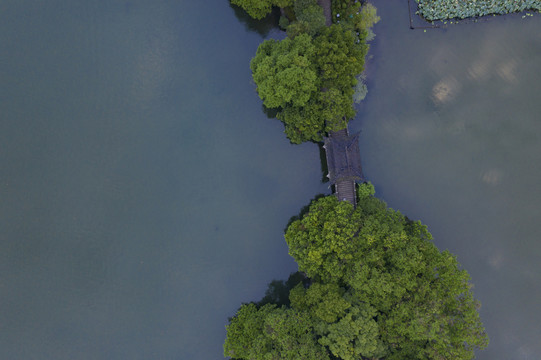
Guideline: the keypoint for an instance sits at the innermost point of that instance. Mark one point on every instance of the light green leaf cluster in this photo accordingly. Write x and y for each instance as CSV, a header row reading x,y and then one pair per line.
x,y
258,9
284,71
365,190
450,9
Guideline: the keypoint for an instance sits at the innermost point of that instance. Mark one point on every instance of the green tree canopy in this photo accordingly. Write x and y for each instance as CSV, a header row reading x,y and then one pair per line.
x,y
269,332
424,304
323,322
309,18
339,58
258,9
284,71
310,80
344,325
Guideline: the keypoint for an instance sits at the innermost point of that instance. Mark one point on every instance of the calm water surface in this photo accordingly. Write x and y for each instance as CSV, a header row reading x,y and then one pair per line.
x,y
143,192
452,136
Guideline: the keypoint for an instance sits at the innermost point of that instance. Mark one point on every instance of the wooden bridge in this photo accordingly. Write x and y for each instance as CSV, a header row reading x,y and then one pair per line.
x,y
344,164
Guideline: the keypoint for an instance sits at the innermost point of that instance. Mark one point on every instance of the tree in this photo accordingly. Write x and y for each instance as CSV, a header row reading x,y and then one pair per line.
x,y
320,242
344,325
271,332
378,288
258,9
310,14
284,71
310,80
423,301
339,57
324,321
303,123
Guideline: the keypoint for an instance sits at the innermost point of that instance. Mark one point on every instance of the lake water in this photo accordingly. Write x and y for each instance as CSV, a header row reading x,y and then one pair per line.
x,y
452,136
144,193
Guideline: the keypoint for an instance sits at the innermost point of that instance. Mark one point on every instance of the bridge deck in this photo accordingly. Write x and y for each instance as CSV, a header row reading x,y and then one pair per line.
x,y
344,189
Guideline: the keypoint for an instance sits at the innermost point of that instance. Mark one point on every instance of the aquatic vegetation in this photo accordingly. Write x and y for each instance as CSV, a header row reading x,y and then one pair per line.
x,y
451,9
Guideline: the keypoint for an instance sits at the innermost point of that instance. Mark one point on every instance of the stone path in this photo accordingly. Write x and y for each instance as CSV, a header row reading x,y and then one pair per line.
x,y
326,5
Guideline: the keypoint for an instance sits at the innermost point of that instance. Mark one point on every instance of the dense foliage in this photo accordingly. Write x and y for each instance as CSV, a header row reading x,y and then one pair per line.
x,y
271,332
308,19
284,71
310,80
324,321
424,305
379,289
310,77
258,9
449,9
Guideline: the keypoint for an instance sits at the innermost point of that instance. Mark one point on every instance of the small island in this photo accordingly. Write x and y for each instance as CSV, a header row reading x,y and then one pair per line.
x,y
376,287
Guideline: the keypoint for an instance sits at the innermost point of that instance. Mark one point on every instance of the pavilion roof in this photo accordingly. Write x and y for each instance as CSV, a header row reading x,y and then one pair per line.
x,y
343,157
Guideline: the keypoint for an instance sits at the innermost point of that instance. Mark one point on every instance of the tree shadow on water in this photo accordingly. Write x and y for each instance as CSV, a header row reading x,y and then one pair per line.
x,y
324,167
278,290
270,112
263,26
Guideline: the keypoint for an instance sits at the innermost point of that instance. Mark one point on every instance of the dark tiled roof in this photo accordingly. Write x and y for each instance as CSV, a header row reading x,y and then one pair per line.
x,y
343,157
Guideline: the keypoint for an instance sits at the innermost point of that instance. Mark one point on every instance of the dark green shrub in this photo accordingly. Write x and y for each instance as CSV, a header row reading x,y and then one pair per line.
x,y
283,22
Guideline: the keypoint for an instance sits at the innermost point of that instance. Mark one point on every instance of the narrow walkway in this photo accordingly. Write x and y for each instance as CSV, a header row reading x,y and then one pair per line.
x,y
340,134
345,191
344,188
326,5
